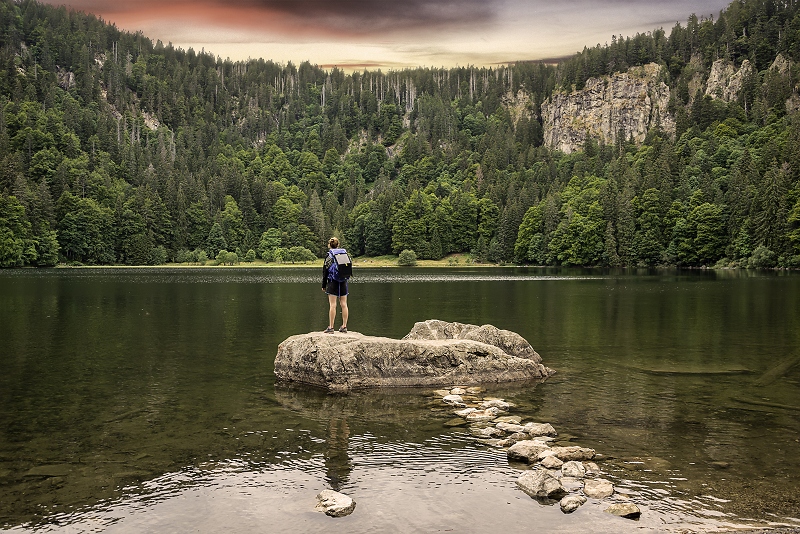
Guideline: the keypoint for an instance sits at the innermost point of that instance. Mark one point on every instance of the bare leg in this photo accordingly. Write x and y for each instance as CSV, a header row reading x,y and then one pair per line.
x,y
345,311
331,310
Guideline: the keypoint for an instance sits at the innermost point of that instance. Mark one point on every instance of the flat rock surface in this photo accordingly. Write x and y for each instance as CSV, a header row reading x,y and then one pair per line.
x,y
434,353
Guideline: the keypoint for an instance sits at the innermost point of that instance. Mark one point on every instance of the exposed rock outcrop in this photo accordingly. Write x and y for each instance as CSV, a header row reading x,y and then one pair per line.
x,y
628,103
433,353
725,82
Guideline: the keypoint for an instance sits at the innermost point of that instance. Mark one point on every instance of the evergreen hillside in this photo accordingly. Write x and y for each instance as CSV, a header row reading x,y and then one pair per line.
x,y
115,149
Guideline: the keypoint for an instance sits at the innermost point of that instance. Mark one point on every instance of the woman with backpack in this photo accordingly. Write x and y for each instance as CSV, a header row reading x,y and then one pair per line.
x,y
335,272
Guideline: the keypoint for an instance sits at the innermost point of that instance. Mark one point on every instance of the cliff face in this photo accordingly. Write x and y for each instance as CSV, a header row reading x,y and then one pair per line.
x,y
627,103
725,81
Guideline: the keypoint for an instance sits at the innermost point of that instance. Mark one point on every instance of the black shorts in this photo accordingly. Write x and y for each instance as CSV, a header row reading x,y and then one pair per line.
x,y
336,288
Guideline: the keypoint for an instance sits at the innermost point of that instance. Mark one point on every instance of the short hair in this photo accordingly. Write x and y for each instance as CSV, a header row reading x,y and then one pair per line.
x,y
333,242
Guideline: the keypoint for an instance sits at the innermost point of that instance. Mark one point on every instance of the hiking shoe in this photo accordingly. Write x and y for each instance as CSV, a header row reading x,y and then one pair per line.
x,y
343,330
329,330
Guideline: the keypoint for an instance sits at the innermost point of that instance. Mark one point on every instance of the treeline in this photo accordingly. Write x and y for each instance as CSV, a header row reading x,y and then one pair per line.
x,y
115,149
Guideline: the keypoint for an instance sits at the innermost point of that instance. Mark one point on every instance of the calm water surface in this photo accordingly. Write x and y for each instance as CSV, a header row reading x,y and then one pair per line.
x,y
136,400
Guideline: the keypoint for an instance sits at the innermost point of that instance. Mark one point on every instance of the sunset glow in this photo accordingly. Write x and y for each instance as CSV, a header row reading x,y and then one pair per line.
x,y
355,34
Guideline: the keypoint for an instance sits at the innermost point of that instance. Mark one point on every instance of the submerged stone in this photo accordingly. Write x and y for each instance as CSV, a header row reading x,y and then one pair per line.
x,y
59,470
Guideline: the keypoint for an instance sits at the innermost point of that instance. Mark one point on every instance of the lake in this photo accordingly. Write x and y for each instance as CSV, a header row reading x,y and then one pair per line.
x,y
137,400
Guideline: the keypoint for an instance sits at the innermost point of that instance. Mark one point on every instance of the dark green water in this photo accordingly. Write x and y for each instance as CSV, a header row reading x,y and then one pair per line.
x,y
144,400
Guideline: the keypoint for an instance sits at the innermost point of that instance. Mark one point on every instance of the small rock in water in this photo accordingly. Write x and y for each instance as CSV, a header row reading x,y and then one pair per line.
x,y
458,421
496,403
509,427
720,465
598,488
540,429
573,453
526,451
591,468
455,400
483,415
573,469
551,462
541,483
465,412
58,470
442,392
335,504
512,419
488,432
516,437
627,510
458,391
571,484
570,503
475,390
546,453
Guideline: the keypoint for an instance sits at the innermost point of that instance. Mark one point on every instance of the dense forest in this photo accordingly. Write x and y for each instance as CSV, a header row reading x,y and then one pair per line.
x,y
115,149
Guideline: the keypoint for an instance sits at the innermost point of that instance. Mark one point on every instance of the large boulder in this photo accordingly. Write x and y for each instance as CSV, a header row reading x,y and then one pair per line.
x,y
427,356
510,342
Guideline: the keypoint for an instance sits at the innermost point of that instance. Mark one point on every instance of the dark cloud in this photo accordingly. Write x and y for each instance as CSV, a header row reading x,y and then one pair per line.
x,y
378,15
346,17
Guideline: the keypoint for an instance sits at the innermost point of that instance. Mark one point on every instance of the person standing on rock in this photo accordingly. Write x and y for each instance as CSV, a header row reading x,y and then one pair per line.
x,y
336,270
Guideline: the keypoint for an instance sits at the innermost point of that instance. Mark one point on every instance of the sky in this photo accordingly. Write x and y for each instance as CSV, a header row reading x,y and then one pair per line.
x,y
388,34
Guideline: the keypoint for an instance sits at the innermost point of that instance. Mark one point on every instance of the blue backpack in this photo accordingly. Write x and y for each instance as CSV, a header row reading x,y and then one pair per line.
x,y
341,268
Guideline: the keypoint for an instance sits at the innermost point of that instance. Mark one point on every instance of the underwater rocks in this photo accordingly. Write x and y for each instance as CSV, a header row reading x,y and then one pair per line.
x,y
434,353
557,473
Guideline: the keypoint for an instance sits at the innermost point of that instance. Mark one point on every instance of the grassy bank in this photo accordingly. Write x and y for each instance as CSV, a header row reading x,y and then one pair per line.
x,y
454,260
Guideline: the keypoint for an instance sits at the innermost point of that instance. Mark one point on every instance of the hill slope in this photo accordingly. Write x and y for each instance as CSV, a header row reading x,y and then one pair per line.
x,y
115,149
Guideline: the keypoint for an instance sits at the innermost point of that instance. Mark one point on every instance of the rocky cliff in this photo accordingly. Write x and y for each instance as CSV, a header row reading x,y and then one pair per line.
x,y
726,81
627,103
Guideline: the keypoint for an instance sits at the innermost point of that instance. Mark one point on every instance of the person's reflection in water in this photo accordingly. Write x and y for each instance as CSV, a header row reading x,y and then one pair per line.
x,y
337,462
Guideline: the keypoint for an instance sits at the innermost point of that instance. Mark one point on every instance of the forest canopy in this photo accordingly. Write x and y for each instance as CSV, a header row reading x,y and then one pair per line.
x,y
118,150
